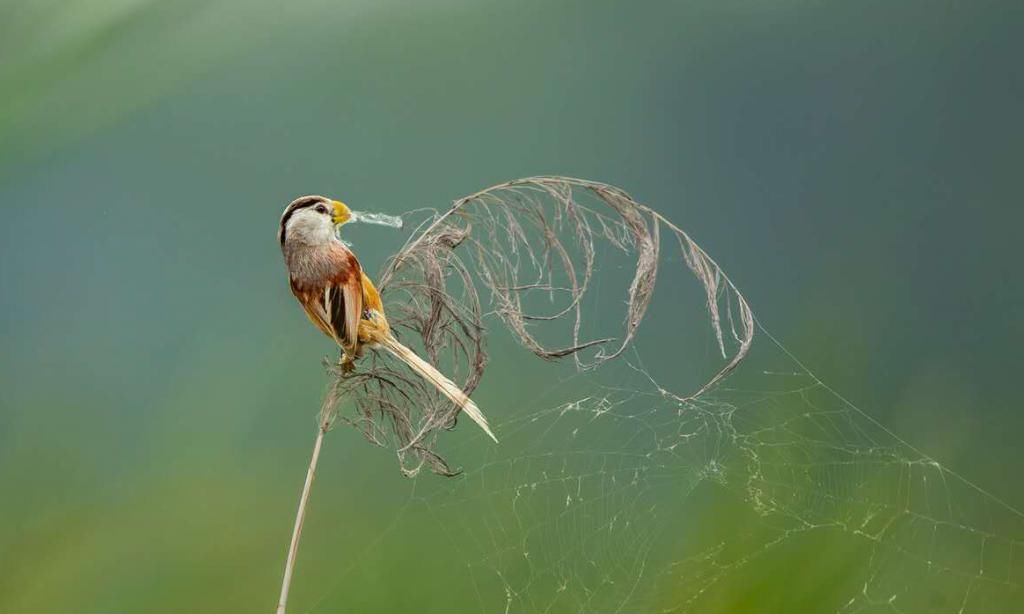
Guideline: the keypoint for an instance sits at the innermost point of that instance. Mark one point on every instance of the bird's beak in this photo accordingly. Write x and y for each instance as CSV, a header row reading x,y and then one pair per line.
x,y
342,213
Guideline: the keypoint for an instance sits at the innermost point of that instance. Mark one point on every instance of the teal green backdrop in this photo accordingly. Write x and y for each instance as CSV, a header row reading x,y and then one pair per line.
x,y
854,167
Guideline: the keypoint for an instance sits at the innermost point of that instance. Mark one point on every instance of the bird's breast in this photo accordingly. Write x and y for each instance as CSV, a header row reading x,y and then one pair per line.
x,y
314,268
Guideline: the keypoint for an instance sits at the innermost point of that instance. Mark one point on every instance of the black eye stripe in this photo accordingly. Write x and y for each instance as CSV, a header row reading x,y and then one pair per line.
x,y
299,203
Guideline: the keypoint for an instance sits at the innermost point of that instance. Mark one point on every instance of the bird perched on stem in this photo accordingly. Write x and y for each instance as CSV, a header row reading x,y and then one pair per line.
x,y
339,297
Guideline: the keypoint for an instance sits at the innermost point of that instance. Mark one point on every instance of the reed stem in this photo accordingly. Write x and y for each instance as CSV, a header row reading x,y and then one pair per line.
x,y
300,516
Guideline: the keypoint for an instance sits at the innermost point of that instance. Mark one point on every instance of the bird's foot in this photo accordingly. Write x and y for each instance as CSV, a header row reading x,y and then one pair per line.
x,y
347,363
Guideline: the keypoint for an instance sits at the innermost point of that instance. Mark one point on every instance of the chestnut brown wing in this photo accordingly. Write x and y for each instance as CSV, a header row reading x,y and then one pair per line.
x,y
312,303
343,298
343,303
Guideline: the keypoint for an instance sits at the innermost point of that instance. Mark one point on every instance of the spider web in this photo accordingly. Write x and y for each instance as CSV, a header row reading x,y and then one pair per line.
x,y
637,501
673,467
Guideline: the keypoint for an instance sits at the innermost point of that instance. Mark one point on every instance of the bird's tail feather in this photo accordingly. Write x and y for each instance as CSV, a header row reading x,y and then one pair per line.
x,y
435,377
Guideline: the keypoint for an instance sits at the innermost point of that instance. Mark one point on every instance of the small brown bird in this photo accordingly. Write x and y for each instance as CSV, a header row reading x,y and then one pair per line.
x,y
339,297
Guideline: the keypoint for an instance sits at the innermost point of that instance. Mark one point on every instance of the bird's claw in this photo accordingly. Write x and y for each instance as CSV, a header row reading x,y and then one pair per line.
x,y
347,363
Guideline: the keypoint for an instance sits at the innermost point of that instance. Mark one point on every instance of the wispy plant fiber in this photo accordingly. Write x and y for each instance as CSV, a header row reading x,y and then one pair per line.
x,y
523,251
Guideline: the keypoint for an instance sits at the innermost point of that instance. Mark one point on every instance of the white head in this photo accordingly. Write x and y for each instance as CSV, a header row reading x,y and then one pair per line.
x,y
311,220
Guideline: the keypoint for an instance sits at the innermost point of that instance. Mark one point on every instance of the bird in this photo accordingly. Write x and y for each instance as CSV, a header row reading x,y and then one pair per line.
x,y
340,299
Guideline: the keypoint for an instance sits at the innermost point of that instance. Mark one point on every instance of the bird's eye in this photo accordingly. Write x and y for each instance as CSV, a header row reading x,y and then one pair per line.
x,y
321,209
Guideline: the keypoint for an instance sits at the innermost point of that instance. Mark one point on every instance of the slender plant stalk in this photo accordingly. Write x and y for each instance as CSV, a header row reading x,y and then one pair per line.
x,y
300,516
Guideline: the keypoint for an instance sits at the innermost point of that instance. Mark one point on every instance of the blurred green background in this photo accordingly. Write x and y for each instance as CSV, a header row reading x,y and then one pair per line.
x,y
855,167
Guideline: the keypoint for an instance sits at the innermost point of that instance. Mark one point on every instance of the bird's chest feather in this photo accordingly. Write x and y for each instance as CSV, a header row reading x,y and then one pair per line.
x,y
311,269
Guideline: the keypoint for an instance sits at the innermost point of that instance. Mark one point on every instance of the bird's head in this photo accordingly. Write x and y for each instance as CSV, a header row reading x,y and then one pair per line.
x,y
312,220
